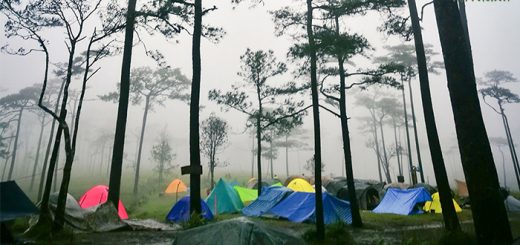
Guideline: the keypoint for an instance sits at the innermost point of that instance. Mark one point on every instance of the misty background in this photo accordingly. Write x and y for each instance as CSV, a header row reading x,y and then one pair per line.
x,y
494,34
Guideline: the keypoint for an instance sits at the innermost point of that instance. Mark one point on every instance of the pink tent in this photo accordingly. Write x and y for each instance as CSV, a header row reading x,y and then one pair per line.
x,y
98,195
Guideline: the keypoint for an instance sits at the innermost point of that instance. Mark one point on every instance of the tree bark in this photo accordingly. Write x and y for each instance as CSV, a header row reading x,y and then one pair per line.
x,y
489,213
37,158
7,157
451,221
141,139
259,150
194,111
320,227
286,157
410,164
15,146
416,136
510,144
122,109
49,143
354,206
271,156
253,156
376,142
385,157
397,149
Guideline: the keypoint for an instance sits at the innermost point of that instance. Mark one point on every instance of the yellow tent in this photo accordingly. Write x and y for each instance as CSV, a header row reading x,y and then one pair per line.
x,y
435,205
301,185
176,186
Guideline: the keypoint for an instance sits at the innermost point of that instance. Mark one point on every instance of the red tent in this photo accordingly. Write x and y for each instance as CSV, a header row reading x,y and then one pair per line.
x,y
98,195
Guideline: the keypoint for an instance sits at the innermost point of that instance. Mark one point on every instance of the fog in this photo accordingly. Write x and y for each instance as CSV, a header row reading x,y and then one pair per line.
x,y
494,34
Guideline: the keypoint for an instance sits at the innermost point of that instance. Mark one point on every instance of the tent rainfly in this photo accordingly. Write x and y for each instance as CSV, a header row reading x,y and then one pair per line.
x,y
300,206
224,199
434,206
300,185
98,195
176,186
269,198
246,195
404,202
180,212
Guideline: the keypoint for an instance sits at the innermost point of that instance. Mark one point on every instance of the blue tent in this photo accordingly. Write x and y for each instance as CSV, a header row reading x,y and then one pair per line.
x,y
300,207
269,198
180,212
404,202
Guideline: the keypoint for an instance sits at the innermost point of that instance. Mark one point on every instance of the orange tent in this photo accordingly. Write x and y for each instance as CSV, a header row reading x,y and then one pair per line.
x,y
176,186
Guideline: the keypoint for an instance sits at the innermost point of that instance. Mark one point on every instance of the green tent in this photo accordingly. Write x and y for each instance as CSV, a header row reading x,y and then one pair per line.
x,y
224,199
246,195
277,184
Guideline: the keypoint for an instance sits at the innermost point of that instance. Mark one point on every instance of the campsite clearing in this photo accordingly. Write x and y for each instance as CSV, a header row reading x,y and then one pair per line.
x,y
379,229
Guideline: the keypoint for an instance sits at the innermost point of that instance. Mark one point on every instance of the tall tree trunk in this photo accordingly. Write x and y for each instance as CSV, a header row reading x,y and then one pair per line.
x,y
408,145
286,157
510,144
517,163
345,135
49,143
194,111
37,158
212,173
259,150
253,156
378,154
347,154
397,149
7,156
489,213
416,136
320,226
271,156
141,139
116,167
55,178
15,146
386,166
451,222
503,166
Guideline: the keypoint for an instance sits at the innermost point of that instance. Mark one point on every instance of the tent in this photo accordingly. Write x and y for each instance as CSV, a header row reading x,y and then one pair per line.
x,y
434,206
367,191
246,195
277,184
269,198
239,231
13,202
512,204
176,186
300,185
300,206
224,199
432,190
404,202
253,183
98,195
292,177
180,212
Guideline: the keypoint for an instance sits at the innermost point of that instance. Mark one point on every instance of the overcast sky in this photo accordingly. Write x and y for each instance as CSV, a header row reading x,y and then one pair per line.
x,y
494,34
